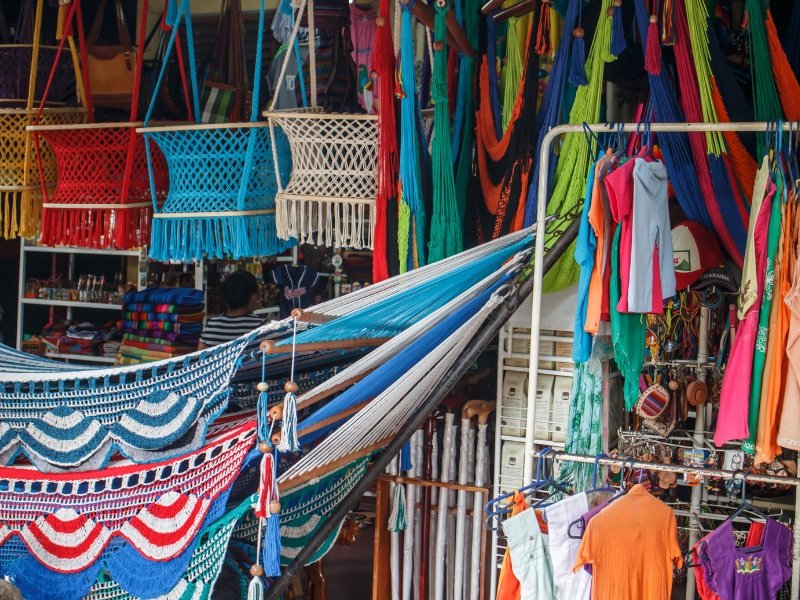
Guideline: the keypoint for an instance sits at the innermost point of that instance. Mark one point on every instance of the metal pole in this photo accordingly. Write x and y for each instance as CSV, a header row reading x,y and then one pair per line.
x,y
470,353
698,441
657,466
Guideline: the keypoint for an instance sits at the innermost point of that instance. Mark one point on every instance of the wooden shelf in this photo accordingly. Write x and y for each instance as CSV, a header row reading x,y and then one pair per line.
x,y
73,304
81,357
65,250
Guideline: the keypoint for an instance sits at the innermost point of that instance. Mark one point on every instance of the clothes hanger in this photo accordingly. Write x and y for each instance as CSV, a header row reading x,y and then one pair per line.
x,y
576,527
494,508
745,509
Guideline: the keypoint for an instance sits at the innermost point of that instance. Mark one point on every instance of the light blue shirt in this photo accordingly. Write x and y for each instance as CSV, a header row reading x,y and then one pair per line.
x,y
584,255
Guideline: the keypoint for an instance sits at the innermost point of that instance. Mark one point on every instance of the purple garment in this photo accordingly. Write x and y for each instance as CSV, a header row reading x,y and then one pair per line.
x,y
586,518
750,573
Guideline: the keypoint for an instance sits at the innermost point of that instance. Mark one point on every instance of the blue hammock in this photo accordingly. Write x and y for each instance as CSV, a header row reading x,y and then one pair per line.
x,y
389,317
222,184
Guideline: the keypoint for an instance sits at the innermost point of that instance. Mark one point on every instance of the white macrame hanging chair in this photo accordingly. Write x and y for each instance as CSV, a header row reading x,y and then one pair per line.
x,y
330,197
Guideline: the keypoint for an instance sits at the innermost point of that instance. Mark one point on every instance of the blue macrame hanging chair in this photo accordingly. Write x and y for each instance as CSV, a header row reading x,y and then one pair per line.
x,y
222,182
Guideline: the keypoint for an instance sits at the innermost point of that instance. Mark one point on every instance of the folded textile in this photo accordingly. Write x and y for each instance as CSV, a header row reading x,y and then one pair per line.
x,y
150,346
150,307
157,316
185,328
161,295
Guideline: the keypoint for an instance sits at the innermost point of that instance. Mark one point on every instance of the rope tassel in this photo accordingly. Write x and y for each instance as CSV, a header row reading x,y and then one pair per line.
x,y
652,55
397,518
272,543
543,30
618,43
289,441
577,70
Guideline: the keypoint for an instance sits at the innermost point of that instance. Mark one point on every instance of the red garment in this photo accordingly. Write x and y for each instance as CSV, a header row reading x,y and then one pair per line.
x,y
619,184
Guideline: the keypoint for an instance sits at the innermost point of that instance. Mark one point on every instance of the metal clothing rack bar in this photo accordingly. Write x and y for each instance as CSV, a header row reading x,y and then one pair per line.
x,y
657,466
538,274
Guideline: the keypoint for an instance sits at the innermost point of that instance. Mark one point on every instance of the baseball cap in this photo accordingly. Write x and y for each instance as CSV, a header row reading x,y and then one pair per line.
x,y
726,278
695,250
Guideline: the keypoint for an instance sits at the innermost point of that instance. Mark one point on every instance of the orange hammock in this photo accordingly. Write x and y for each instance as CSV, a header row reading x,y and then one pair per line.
x,y
788,88
744,166
505,164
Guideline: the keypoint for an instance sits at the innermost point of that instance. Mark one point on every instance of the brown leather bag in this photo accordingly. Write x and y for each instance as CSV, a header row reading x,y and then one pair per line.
x,y
112,69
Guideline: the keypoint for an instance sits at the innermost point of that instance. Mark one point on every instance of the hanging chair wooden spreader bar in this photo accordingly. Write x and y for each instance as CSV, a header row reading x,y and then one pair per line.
x,y
20,180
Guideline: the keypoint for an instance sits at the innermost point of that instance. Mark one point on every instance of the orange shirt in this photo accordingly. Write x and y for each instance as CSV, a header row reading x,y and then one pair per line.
x,y
597,221
632,546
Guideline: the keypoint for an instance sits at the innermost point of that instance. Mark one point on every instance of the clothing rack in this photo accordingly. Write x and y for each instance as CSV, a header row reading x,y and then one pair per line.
x,y
543,184
694,513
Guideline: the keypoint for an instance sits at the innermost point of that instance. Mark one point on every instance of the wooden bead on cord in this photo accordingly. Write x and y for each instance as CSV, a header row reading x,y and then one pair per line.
x,y
578,32
290,387
380,22
673,385
274,506
276,438
264,447
438,45
262,386
276,413
610,11
256,570
654,19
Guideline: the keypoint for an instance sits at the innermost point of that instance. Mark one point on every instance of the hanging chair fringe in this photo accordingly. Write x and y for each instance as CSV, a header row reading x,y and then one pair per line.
x,y
120,228
215,237
329,223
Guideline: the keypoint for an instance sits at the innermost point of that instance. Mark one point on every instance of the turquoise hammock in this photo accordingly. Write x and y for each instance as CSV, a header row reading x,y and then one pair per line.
x,y
222,182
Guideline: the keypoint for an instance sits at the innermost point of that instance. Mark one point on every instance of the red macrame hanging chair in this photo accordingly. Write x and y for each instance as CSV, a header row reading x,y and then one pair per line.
x,y
102,197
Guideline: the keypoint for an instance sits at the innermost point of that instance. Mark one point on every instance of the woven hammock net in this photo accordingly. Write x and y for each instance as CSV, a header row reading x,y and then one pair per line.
x,y
217,170
139,524
97,167
61,421
15,67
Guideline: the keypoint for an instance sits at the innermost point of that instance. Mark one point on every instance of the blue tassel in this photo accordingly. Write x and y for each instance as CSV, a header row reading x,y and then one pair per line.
x,y
262,406
577,67
405,457
618,43
272,546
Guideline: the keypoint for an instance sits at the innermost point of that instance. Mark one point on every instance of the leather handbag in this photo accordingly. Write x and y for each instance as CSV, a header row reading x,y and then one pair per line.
x,y
112,69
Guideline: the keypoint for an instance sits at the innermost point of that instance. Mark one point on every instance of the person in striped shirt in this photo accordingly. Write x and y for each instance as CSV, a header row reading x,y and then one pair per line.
x,y
241,298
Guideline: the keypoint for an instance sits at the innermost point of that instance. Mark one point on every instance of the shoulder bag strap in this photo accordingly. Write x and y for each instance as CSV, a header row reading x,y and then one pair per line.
x,y
122,28
123,33
5,34
94,32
